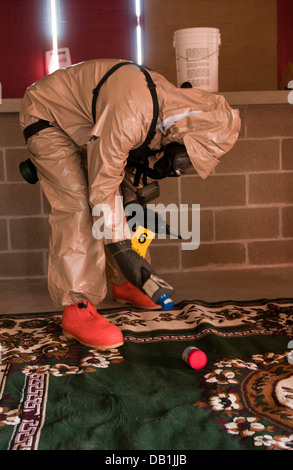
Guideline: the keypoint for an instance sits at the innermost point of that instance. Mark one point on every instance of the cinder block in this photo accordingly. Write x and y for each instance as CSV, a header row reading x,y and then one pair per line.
x,y
10,130
250,156
214,254
164,258
13,158
21,264
29,233
1,166
169,192
287,154
269,120
216,190
206,225
19,199
271,188
245,224
270,252
3,235
46,204
241,110
287,221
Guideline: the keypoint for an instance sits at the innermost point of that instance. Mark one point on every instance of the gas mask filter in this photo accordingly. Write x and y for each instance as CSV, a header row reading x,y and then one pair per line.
x,y
175,162
28,171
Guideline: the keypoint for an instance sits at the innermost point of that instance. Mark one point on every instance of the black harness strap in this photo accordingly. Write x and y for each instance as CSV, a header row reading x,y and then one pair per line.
x,y
96,90
34,128
151,86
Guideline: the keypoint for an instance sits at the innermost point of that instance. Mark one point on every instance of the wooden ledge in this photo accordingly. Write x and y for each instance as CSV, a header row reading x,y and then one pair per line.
x,y
234,98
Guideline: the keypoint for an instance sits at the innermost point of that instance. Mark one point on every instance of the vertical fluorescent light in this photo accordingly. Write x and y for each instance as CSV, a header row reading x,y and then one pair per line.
x,y
138,32
55,58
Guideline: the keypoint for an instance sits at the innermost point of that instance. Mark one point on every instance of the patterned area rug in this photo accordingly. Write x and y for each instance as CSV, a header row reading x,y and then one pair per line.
x,y
56,394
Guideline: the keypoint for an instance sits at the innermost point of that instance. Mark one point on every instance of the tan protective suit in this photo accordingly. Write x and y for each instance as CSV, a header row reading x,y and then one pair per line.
x,y
81,164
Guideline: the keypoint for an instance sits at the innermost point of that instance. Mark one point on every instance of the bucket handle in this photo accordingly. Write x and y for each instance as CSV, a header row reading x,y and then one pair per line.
x,y
197,60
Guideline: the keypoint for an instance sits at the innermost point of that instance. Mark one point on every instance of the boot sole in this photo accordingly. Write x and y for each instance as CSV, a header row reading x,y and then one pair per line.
x,y
100,348
126,302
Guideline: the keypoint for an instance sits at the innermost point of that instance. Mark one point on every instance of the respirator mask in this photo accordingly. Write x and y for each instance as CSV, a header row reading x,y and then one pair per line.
x,y
175,162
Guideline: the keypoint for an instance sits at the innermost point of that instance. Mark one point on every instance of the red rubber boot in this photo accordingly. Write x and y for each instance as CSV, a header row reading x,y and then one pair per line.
x,y
127,293
82,322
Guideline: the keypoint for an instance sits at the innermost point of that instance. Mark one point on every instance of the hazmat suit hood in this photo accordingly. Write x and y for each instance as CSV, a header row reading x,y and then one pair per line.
x,y
200,120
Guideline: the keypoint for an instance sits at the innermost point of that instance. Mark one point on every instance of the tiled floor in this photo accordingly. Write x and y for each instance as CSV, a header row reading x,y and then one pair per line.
x,y
27,296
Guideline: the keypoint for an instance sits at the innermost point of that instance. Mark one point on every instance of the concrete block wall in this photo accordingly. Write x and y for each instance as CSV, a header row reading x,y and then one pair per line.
x,y
24,227
246,203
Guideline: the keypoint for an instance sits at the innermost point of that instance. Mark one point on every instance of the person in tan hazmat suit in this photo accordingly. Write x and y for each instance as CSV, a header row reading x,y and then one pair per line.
x,y
80,141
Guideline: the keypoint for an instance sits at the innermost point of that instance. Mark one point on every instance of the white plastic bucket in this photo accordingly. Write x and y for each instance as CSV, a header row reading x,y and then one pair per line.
x,y
197,57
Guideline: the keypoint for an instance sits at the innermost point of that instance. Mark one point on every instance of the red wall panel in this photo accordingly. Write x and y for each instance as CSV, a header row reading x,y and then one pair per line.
x,y
285,35
90,28
21,42
102,28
